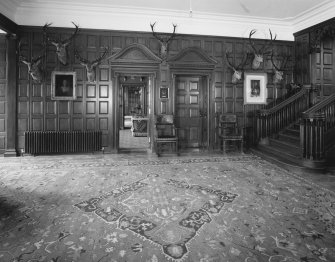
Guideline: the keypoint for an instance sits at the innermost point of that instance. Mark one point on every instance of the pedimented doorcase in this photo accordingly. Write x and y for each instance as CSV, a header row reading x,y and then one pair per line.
x,y
191,71
134,72
180,86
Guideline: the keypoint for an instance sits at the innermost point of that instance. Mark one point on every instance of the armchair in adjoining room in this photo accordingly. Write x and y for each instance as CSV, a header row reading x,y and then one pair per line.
x,y
165,136
229,134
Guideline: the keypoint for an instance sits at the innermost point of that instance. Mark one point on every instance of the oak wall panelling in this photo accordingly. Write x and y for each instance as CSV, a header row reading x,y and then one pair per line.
x,y
3,89
94,107
315,57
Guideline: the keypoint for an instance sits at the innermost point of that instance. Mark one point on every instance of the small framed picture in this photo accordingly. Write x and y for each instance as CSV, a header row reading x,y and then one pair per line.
x,y
255,91
63,85
164,92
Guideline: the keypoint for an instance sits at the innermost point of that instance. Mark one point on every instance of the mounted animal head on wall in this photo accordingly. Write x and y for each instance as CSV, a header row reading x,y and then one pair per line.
x,y
259,54
237,75
279,68
34,66
163,39
61,46
90,65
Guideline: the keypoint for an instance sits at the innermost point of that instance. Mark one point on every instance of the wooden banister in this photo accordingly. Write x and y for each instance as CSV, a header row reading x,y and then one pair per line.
x,y
271,121
317,129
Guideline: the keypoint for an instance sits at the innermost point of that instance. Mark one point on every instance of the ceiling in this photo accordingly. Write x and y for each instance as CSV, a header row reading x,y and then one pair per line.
x,y
211,17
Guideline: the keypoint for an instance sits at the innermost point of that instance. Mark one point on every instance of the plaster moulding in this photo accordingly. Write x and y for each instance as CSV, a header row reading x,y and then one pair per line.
x,y
316,15
8,8
127,19
98,16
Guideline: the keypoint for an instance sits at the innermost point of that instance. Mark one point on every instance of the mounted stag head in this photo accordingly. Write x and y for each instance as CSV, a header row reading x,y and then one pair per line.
x,y
61,46
90,65
34,66
163,39
237,75
258,54
279,72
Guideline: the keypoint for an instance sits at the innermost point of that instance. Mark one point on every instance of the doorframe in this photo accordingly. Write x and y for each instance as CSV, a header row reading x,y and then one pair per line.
x,y
152,76
209,85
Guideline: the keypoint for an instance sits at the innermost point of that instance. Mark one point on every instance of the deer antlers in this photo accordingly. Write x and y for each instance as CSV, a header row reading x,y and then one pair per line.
x,y
279,69
237,75
258,54
34,69
163,39
90,65
60,45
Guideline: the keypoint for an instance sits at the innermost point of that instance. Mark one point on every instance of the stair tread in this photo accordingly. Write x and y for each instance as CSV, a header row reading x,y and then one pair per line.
x,y
287,153
292,130
278,158
285,143
284,135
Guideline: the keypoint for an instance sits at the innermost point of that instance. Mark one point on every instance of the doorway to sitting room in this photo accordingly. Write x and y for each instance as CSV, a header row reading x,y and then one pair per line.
x,y
133,113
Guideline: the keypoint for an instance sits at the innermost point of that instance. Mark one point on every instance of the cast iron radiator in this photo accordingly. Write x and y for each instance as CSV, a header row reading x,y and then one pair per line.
x,y
43,142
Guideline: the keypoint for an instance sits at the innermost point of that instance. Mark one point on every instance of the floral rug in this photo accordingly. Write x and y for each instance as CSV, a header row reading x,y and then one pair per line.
x,y
214,208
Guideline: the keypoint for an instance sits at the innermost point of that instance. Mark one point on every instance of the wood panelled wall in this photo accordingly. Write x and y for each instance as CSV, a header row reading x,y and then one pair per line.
x,y
94,107
315,57
3,84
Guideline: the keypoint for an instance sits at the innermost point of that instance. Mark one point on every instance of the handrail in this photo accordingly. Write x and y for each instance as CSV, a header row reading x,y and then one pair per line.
x,y
317,130
289,100
271,121
320,106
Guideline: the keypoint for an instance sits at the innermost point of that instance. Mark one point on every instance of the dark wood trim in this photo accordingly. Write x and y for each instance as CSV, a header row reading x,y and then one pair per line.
x,y
11,98
8,25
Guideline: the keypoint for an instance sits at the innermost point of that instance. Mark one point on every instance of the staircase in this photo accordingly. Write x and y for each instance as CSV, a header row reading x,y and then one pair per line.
x,y
296,136
283,149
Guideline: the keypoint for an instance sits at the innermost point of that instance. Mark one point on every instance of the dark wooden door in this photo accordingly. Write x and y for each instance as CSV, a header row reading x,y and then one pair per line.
x,y
190,111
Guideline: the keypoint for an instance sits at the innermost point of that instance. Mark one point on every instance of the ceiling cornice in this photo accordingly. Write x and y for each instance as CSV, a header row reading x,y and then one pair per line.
x,y
8,8
127,18
313,16
109,17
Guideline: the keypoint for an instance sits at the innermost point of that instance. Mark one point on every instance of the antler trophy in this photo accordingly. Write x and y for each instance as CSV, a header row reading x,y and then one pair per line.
x,y
237,75
90,65
34,66
279,72
61,46
258,54
164,40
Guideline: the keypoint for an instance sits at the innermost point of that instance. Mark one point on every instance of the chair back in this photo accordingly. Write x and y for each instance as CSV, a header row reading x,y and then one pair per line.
x,y
165,126
228,124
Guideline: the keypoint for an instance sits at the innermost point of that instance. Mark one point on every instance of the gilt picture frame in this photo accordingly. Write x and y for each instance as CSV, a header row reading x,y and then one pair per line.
x,y
255,91
164,92
63,85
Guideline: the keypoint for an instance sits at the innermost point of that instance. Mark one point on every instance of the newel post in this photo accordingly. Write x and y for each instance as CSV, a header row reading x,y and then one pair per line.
x,y
263,125
312,140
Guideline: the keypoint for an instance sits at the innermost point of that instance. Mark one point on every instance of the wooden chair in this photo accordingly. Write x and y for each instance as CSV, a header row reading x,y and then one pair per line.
x,y
228,132
166,138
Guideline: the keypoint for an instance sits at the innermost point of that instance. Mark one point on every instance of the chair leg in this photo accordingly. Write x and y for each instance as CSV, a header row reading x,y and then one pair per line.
x,y
224,147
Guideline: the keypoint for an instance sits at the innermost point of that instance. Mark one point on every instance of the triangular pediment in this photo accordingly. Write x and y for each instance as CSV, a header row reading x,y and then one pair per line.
x,y
135,53
192,57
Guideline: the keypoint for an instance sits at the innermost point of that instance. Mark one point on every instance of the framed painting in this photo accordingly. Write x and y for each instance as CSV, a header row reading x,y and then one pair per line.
x,y
63,85
164,92
255,91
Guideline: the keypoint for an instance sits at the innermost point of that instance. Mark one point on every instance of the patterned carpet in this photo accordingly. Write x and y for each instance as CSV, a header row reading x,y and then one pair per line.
x,y
100,208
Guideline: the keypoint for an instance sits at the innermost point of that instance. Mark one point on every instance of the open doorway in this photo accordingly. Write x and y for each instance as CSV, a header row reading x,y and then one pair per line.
x,y
134,120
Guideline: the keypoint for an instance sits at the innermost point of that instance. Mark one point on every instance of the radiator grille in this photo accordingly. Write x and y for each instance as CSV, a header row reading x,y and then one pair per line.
x,y
42,142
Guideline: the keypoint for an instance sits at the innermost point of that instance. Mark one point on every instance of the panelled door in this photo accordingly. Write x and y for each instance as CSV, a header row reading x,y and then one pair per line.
x,y
191,110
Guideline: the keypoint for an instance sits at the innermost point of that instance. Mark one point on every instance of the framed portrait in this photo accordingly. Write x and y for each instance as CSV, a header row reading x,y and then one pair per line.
x,y
164,92
255,91
63,85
